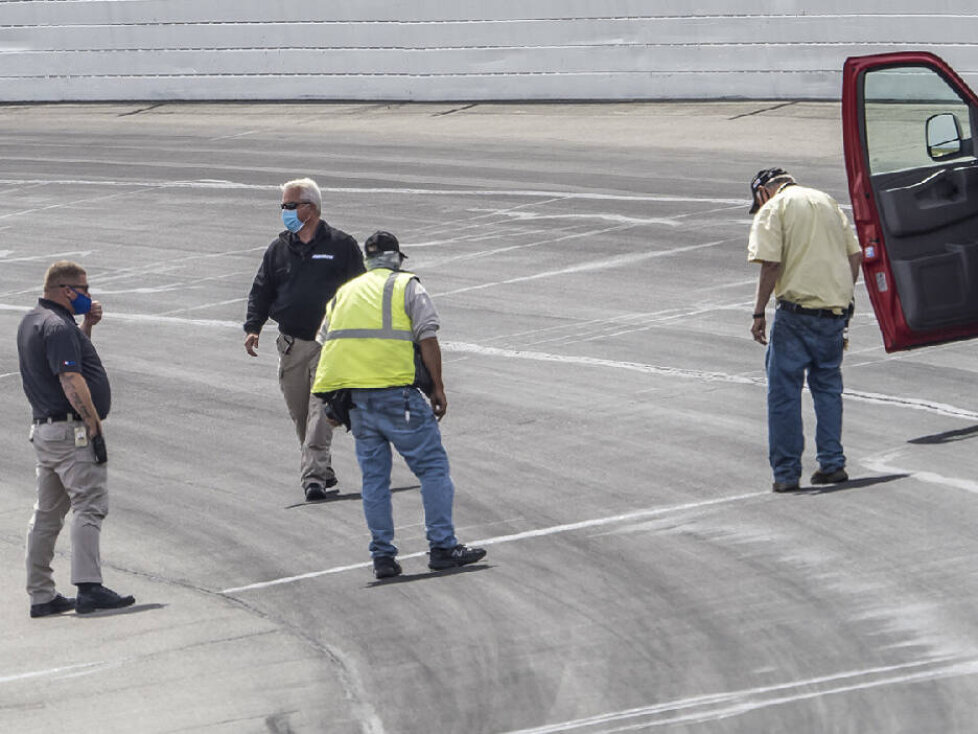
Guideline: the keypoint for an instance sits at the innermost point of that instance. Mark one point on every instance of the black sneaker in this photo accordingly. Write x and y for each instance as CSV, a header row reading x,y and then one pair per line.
x,y
386,567
821,477
316,491
101,598
785,486
441,558
57,605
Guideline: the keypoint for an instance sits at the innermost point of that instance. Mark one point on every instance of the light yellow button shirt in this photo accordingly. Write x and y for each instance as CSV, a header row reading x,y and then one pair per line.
x,y
808,233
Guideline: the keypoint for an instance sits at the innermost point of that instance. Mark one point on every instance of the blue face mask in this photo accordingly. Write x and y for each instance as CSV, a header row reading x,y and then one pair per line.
x,y
81,304
291,220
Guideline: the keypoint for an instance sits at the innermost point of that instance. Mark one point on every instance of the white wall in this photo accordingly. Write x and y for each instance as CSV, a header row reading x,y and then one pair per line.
x,y
460,49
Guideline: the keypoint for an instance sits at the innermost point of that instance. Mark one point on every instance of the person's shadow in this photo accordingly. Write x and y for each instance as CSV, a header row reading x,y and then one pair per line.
x,y
947,436
849,484
134,609
345,497
405,578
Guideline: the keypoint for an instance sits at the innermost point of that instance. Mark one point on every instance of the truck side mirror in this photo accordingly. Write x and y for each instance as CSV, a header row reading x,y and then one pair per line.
x,y
943,136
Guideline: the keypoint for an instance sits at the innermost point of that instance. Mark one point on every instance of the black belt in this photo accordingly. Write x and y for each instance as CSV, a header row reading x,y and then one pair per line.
x,y
58,418
825,313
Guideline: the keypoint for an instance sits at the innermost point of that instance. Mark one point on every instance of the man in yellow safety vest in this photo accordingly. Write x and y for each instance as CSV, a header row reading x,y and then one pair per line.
x,y
379,345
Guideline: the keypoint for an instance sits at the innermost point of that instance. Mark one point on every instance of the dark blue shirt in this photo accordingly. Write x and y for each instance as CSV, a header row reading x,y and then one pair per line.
x,y
49,342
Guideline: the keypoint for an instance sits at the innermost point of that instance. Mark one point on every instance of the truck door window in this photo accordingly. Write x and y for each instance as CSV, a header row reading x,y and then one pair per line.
x,y
898,103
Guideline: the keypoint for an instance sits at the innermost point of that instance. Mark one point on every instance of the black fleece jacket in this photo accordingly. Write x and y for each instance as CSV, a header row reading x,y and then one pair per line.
x,y
296,280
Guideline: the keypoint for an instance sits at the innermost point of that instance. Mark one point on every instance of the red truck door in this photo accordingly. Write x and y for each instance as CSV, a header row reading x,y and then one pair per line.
x,y
909,125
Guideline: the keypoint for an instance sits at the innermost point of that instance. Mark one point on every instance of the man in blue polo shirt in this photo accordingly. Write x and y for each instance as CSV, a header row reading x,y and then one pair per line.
x,y
69,395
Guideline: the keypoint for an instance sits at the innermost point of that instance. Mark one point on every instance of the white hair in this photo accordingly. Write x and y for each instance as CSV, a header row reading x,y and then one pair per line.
x,y
310,191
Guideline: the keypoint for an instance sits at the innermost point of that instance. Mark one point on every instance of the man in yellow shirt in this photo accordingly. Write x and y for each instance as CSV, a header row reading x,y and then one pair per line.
x,y
810,260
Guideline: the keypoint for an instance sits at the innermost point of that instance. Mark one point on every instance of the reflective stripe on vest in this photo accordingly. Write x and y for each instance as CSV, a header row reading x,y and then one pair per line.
x,y
369,343
387,330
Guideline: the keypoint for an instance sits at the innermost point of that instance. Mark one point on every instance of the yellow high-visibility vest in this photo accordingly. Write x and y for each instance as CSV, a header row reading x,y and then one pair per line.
x,y
369,342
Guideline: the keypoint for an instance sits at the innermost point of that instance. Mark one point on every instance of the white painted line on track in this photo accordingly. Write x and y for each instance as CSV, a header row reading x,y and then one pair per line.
x,y
68,669
212,184
540,532
893,401
883,465
236,135
615,218
466,348
205,305
713,707
618,327
586,267
150,318
458,226
548,240
52,256
928,406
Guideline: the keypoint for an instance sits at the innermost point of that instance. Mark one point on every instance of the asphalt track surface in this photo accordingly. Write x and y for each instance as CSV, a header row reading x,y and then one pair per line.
x,y
606,428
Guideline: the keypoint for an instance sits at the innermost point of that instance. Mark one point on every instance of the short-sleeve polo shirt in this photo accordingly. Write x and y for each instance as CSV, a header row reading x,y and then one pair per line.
x,y
808,233
49,343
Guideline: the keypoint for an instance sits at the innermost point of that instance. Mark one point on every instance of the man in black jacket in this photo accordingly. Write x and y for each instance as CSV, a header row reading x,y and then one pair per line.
x,y
299,274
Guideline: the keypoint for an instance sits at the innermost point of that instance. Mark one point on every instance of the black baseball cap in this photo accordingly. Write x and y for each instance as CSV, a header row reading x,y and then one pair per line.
x,y
761,179
381,241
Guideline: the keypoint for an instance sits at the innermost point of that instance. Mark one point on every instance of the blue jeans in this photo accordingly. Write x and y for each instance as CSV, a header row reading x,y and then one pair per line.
x,y
800,343
402,417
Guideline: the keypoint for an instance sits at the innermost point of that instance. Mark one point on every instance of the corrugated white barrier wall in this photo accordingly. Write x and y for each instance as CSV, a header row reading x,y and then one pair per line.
x,y
460,49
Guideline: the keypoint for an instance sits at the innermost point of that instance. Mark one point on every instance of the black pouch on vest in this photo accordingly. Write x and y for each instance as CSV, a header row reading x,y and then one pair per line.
x,y
337,405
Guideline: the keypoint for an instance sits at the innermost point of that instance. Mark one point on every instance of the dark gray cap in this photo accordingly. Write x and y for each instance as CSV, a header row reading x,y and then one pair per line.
x,y
760,180
381,241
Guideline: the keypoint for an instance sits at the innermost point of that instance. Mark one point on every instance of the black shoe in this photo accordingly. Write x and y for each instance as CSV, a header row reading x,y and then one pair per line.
x,y
441,558
821,477
386,567
57,605
316,491
101,598
785,486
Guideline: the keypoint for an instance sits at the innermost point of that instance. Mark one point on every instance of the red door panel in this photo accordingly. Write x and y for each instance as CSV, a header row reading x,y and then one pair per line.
x,y
909,127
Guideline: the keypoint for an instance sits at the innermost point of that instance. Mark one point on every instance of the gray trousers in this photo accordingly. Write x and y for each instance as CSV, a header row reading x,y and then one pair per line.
x,y
67,477
297,363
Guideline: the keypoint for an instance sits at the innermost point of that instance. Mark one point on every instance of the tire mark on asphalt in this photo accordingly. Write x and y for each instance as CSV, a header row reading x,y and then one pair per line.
x,y
713,707
537,533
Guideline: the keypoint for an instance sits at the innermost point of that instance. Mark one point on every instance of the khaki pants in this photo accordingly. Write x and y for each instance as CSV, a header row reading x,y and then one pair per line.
x,y
67,477
297,363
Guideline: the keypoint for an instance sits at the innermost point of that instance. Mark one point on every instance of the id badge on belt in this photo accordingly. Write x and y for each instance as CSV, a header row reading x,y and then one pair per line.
x,y
81,436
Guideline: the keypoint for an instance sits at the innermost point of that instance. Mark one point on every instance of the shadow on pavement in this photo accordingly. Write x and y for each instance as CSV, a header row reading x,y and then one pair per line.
x,y
340,497
850,484
947,436
408,577
134,609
